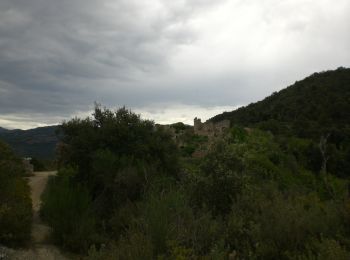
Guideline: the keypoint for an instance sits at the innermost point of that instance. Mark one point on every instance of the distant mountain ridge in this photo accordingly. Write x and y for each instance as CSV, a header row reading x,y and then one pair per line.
x,y
3,130
38,142
312,107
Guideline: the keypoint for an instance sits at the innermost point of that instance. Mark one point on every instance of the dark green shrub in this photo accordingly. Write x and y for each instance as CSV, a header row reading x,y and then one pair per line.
x,y
271,206
116,156
133,246
272,225
323,249
66,207
15,201
188,150
38,165
166,217
122,133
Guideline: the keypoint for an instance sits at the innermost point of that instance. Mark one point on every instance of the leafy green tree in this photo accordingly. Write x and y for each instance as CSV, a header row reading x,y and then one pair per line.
x,y
116,157
116,154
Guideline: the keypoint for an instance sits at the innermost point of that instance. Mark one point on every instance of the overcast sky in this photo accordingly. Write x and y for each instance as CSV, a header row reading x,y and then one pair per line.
x,y
169,60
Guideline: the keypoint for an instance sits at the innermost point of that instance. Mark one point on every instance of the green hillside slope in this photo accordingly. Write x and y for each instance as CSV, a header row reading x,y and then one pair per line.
x,y
314,109
38,142
317,105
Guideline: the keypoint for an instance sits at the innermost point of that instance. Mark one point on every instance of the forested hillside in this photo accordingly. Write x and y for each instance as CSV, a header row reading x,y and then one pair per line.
x,y
314,109
38,142
317,105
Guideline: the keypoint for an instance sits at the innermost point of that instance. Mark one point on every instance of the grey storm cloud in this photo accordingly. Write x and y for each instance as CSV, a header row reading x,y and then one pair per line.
x,y
58,57
59,52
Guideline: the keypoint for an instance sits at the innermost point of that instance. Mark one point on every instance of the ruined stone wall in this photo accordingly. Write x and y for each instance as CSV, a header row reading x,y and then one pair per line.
x,y
221,126
197,124
210,129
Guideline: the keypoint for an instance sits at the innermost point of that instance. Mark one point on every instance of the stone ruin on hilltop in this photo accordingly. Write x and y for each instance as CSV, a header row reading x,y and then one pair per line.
x,y
210,129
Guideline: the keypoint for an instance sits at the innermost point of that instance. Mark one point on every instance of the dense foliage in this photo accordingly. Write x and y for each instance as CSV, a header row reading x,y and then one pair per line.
x,y
120,194
309,108
248,199
67,207
105,163
15,201
316,107
180,127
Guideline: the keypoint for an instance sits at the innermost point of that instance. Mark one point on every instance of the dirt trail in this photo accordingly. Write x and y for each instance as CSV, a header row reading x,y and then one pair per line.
x,y
37,183
41,248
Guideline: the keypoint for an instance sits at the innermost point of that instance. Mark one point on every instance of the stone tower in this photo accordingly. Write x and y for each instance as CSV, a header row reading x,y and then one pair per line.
x,y
197,124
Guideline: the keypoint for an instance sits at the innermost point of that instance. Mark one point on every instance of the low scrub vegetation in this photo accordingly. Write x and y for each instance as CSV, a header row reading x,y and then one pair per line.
x,y
15,201
123,192
67,207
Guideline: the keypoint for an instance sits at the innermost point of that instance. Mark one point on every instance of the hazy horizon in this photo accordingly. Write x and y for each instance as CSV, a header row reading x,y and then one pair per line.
x,y
178,117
